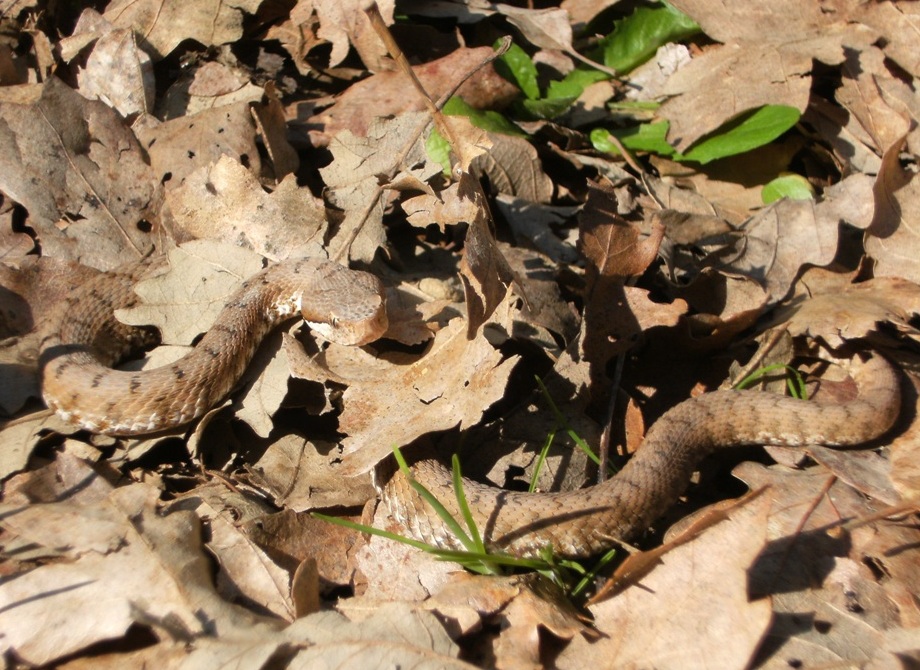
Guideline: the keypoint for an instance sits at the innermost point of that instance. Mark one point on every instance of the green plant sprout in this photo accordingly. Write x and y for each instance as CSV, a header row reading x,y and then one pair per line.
x,y
570,575
795,383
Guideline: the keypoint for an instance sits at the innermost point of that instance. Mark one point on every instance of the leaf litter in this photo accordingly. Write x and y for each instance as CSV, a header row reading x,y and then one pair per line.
x,y
230,136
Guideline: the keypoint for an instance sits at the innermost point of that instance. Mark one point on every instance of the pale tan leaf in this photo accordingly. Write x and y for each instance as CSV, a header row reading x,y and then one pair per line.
x,y
345,23
354,179
184,145
166,23
882,119
485,273
545,28
303,474
117,71
839,311
452,384
246,573
649,624
726,72
395,635
183,302
225,202
158,573
789,233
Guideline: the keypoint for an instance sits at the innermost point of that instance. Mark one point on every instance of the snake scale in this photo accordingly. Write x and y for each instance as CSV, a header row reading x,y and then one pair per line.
x,y
348,306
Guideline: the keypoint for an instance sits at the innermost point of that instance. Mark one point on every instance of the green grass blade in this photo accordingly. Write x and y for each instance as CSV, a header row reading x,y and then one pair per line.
x,y
435,504
475,535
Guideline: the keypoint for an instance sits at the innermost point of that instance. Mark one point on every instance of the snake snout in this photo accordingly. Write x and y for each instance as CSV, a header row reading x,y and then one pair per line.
x,y
352,327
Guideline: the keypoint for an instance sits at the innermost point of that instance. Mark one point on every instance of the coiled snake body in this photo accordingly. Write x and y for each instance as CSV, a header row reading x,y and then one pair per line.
x,y
348,306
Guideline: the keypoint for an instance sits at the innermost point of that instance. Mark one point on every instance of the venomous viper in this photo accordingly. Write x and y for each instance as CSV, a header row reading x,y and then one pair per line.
x,y
348,306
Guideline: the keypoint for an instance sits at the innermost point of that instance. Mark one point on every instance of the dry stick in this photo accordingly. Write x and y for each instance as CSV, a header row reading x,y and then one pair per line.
x,y
761,353
373,13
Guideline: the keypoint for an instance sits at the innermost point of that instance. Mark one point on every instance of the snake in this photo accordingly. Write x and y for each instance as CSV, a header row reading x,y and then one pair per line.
x,y
349,306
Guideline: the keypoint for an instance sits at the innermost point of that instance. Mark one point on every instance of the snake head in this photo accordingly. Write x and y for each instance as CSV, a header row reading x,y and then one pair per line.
x,y
352,315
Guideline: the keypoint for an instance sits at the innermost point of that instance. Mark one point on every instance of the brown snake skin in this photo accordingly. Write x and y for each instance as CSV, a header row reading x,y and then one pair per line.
x,y
84,390
85,339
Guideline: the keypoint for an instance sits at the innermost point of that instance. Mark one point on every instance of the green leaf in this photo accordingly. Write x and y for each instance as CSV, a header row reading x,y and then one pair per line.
x,y
792,186
516,65
648,137
748,131
487,120
438,150
576,81
636,38
548,108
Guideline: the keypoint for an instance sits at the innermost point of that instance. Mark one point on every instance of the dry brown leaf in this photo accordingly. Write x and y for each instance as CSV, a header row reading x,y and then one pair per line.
x,y
897,21
346,24
247,574
302,474
294,539
166,23
157,574
757,65
183,145
81,175
788,234
117,71
395,571
388,404
652,623
224,202
830,605
394,635
532,224
615,314
354,177
385,94
485,273
265,386
838,311
183,302
882,119
892,239
514,169
538,606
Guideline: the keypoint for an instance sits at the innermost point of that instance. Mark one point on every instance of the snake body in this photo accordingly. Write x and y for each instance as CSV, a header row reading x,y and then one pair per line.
x,y
346,305
85,339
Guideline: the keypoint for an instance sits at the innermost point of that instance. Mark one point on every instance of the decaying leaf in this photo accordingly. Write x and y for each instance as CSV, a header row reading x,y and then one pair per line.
x,y
82,176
